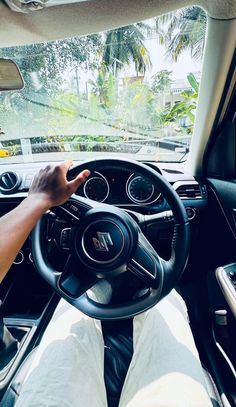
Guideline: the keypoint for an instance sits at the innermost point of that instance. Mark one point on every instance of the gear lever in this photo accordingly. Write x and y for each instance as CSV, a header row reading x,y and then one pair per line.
x,y
8,344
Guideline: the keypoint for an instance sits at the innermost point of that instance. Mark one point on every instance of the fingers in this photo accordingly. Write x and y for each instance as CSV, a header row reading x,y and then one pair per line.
x,y
75,183
65,166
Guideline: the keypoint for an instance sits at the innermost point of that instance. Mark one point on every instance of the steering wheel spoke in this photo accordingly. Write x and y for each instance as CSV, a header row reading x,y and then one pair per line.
x,y
74,209
74,280
145,264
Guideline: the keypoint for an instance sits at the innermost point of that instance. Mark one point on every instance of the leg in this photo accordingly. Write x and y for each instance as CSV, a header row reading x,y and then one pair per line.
x,y
68,368
165,369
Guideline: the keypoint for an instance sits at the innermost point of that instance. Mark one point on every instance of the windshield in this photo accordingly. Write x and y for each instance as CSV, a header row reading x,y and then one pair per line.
x,y
130,91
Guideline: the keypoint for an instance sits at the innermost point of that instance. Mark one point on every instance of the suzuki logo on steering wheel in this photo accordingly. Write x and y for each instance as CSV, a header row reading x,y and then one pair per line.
x,y
102,241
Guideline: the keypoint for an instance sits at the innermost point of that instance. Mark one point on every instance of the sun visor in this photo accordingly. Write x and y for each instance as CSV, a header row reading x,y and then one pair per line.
x,y
26,6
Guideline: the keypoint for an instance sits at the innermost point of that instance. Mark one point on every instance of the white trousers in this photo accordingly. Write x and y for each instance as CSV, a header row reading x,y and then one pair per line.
x,y
164,371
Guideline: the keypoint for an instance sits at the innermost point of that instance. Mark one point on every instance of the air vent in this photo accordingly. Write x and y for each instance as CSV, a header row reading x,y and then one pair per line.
x,y
188,189
9,182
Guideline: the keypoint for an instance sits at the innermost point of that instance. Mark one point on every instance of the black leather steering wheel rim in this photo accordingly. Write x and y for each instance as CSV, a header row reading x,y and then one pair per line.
x,y
169,271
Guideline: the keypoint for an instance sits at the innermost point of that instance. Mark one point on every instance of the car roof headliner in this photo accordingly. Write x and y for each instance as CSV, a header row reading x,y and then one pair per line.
x,y
93,16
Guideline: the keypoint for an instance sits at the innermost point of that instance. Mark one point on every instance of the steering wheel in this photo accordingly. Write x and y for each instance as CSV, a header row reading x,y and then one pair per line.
x,y
106,243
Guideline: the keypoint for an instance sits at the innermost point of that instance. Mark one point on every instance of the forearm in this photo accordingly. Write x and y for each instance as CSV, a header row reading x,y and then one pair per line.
x,y
49,188
15,228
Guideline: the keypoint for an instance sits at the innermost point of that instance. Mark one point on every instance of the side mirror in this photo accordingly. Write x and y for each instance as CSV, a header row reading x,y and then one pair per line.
x,y
10,76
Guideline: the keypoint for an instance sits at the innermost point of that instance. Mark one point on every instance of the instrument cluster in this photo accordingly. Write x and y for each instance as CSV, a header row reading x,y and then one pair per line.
x,y
119,187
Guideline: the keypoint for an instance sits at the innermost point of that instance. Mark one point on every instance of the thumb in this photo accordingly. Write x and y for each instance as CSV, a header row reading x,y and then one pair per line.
x,y
80,179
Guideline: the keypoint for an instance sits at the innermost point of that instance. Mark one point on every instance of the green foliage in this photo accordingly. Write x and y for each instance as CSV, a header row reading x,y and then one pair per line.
x,y
193,82
43,65
137,105
161,81
105,87
181,30
124,45
187,107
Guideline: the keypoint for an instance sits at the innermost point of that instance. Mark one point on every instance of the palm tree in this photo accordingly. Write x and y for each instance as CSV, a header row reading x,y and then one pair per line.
x,y
183,29
124,45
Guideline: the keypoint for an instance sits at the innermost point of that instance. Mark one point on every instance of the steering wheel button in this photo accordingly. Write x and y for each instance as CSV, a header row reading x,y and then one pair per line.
x,y
64,238
73,208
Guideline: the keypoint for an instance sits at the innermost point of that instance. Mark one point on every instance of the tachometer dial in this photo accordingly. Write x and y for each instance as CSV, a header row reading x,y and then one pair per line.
x,y
96,188
139,189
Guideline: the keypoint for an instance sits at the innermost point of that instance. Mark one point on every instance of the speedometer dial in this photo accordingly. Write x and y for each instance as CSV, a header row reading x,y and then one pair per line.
x,y
96,188
139,189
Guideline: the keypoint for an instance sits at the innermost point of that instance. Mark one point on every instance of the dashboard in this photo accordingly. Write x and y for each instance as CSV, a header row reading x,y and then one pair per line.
x,y
119,186
115,186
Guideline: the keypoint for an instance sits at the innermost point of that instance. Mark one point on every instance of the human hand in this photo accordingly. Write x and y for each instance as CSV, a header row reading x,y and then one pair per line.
x,y
51,186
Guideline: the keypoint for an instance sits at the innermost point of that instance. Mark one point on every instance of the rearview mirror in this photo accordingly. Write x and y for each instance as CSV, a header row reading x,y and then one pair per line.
x,y
10,76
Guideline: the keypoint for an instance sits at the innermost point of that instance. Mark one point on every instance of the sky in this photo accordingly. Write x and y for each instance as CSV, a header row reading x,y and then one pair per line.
x,y
160,61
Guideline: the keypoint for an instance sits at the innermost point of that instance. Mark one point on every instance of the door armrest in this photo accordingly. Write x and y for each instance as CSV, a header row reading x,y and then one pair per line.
x,y
226,277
